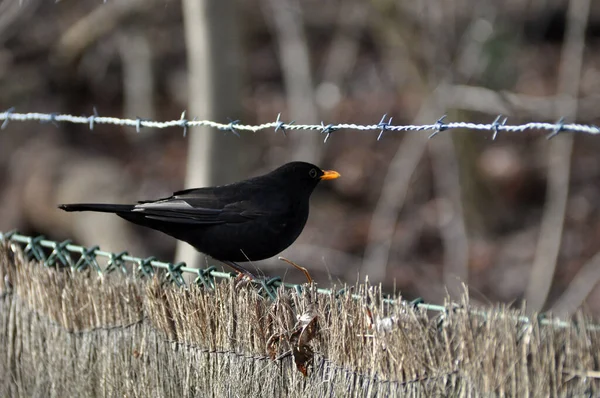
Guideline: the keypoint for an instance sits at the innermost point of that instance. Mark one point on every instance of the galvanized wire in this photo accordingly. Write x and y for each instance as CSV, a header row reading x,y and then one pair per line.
x,y
67,254
499,125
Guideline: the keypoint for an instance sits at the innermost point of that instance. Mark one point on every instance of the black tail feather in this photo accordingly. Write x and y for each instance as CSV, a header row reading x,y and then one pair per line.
x,y
100,207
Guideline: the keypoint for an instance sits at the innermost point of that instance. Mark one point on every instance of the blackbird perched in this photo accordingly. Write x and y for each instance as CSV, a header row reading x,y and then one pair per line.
x,y
245,221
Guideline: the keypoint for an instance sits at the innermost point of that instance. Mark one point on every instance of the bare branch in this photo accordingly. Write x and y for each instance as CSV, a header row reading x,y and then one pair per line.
x,y
481,99
450,214
580,287
294,56
559,160
393,194
98,23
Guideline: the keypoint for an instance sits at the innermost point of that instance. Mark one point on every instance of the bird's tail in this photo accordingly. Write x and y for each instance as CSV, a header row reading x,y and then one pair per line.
x,y
100,207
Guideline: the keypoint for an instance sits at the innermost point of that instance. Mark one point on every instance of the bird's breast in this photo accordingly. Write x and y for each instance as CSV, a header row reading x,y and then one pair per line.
x,y
255,239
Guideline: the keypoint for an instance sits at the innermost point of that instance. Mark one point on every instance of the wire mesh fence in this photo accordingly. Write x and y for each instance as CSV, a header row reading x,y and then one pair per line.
x,y
67,254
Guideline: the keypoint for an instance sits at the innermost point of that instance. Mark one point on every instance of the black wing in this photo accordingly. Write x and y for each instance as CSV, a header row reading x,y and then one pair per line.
x,y
203,206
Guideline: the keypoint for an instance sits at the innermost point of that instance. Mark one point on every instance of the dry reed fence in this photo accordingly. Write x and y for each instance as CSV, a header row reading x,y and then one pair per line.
x,y
67,333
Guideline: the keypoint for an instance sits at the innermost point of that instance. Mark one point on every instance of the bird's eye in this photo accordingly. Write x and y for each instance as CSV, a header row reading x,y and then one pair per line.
x,y
312,173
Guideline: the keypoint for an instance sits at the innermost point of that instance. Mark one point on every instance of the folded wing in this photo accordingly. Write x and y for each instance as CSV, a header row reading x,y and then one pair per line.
x,y
195,207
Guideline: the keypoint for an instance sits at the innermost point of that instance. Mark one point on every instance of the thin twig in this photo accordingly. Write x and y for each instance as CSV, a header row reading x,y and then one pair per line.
x,y
92,27
580,287
485,100
298,267
593,374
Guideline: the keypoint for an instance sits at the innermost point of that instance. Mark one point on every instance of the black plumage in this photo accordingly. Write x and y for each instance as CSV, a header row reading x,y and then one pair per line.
x,y
248,220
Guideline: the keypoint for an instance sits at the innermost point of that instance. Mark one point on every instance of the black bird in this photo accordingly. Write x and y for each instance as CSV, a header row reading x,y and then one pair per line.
x,y
248,220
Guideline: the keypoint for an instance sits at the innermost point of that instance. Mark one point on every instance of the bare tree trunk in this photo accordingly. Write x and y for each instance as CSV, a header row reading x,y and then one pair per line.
x,y
559,160
138,82
285,17
213,49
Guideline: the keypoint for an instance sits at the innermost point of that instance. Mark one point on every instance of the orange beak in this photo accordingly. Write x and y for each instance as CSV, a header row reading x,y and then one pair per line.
x,y
329,175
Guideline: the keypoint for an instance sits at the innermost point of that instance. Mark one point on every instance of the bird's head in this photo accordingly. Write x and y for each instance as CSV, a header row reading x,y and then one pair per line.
x,y
302,174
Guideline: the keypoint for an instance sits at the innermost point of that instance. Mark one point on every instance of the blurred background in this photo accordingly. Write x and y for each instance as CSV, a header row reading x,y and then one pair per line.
x,y
514,218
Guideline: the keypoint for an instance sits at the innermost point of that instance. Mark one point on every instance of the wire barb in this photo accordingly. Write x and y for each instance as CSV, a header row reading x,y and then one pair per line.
x,y
139,123
327,130
439,127
51,118
231,127
7,114
560,125
280,125
496,126
93,117
383,125
183,122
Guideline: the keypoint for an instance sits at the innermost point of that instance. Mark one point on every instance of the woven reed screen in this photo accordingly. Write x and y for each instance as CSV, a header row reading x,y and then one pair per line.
x,y
67,334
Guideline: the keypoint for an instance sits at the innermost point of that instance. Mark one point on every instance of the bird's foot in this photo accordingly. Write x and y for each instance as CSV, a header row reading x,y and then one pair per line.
x,y
242,280
240,270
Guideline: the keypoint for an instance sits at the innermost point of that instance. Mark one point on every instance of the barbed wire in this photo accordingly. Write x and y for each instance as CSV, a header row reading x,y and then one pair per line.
x,y
61,255
499,125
